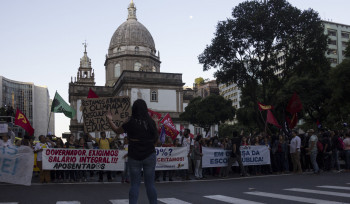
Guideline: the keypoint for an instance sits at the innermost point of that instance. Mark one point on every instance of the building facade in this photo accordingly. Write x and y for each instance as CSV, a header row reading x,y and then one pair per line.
x,y
338,36
31,100
132,69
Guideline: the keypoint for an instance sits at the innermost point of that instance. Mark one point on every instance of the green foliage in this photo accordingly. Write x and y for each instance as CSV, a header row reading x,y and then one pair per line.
x,y
205,112
247,50
347,50
338,105
199,81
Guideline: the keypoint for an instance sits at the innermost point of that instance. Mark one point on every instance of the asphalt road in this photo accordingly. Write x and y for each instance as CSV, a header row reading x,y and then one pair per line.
x,y
325,188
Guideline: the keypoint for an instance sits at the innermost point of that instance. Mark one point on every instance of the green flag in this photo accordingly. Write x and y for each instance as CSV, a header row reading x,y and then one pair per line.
x,y
60,106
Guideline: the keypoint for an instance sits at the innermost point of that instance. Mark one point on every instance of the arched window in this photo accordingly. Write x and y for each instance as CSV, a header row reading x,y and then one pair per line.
x,y
117,70
154,96
137,66
154,69
137,49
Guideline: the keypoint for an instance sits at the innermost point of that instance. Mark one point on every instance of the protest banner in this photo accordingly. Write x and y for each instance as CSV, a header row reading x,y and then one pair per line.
x,y
95,109
251,155
83,159
171,158
3,127
16,165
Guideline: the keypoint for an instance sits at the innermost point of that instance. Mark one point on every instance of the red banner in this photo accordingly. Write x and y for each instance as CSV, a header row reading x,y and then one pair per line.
x,y
169,126
152,113
92,94
21,120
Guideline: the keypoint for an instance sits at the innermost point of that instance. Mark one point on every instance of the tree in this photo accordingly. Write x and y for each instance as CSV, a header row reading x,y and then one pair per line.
x,y
261,40
199,81
205,112
347,49
338,105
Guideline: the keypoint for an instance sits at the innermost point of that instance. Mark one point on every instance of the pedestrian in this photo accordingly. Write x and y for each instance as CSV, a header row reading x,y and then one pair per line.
x,y
168,143
294,149
71,175
336,148
104,143
39,147
313,150
186,141
198,157
279,149
235,154
142,134
347,151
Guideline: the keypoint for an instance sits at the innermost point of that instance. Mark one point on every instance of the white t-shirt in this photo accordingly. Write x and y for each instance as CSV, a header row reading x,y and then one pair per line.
x,y
313,138
39,146
6,144
186,142
295,144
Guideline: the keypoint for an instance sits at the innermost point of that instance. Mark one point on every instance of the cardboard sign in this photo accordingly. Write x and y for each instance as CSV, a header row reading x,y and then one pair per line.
x,y
3,128
95,109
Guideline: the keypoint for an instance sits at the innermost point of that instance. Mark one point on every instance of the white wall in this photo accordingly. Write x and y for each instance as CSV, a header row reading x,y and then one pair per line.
x,y
166,99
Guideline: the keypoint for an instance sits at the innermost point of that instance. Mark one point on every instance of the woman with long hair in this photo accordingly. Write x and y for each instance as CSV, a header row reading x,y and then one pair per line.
x,y
142,134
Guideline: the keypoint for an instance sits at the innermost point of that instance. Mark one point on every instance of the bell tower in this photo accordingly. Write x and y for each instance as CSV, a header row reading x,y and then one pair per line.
x,y
85,75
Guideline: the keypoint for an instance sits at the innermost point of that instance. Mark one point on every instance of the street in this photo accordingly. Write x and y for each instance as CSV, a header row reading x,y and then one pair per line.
x,y
325,188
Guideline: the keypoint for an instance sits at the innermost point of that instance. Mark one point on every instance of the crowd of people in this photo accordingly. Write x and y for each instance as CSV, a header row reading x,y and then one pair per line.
x,y
324,150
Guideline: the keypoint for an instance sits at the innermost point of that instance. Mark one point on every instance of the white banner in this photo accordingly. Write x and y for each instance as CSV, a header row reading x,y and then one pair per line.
x,y
251,155
168,158
171,158
83,159
16,165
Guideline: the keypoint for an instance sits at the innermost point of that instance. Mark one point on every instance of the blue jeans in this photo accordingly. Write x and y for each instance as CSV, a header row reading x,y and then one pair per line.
x,y
135,167
347,159
335,159
313,157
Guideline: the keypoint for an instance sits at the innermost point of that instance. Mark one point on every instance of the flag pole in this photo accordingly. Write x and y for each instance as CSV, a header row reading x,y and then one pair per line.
x,y
48,125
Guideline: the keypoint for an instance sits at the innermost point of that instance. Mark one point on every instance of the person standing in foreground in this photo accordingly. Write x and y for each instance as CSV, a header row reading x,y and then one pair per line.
x,y
313,150
143,135
295,152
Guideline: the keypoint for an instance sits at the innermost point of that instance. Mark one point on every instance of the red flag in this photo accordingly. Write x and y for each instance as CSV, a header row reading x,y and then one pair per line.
x,y
294,104
169,126
271,119
293,122
21,120
191,135
152,113
92,94
264,107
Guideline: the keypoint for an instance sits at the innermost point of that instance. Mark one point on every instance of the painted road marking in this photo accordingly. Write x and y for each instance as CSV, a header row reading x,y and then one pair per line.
x,y
120,201
335,187
172,201
292,198
67,202
347,195
231,200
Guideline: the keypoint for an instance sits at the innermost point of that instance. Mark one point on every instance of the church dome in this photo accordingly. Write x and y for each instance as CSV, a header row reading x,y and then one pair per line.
x,y
132,33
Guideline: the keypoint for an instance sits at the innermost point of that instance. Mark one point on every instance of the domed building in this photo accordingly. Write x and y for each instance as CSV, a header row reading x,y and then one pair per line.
x,y
131,48
132,69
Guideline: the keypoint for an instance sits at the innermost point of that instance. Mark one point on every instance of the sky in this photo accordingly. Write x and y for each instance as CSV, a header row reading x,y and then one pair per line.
x,y
41,41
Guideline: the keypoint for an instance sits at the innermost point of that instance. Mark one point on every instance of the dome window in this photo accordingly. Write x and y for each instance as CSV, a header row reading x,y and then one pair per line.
x,y
117,70
137,66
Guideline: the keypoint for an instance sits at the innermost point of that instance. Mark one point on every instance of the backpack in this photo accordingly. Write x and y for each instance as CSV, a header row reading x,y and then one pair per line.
x,y
319,146
340,145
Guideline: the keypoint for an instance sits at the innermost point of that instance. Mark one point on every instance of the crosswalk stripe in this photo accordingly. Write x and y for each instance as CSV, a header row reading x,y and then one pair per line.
x,y
9,203
292,198
172,201
67,202
335,187
231,199
347,195
120,201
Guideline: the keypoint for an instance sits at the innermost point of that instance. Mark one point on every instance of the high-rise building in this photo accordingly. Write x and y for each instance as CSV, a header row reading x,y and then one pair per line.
x,y
338,36
33,101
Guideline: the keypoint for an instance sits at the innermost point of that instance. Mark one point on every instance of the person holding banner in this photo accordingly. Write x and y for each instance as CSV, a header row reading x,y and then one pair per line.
x,y
235,155
104,143
39,147
142,134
